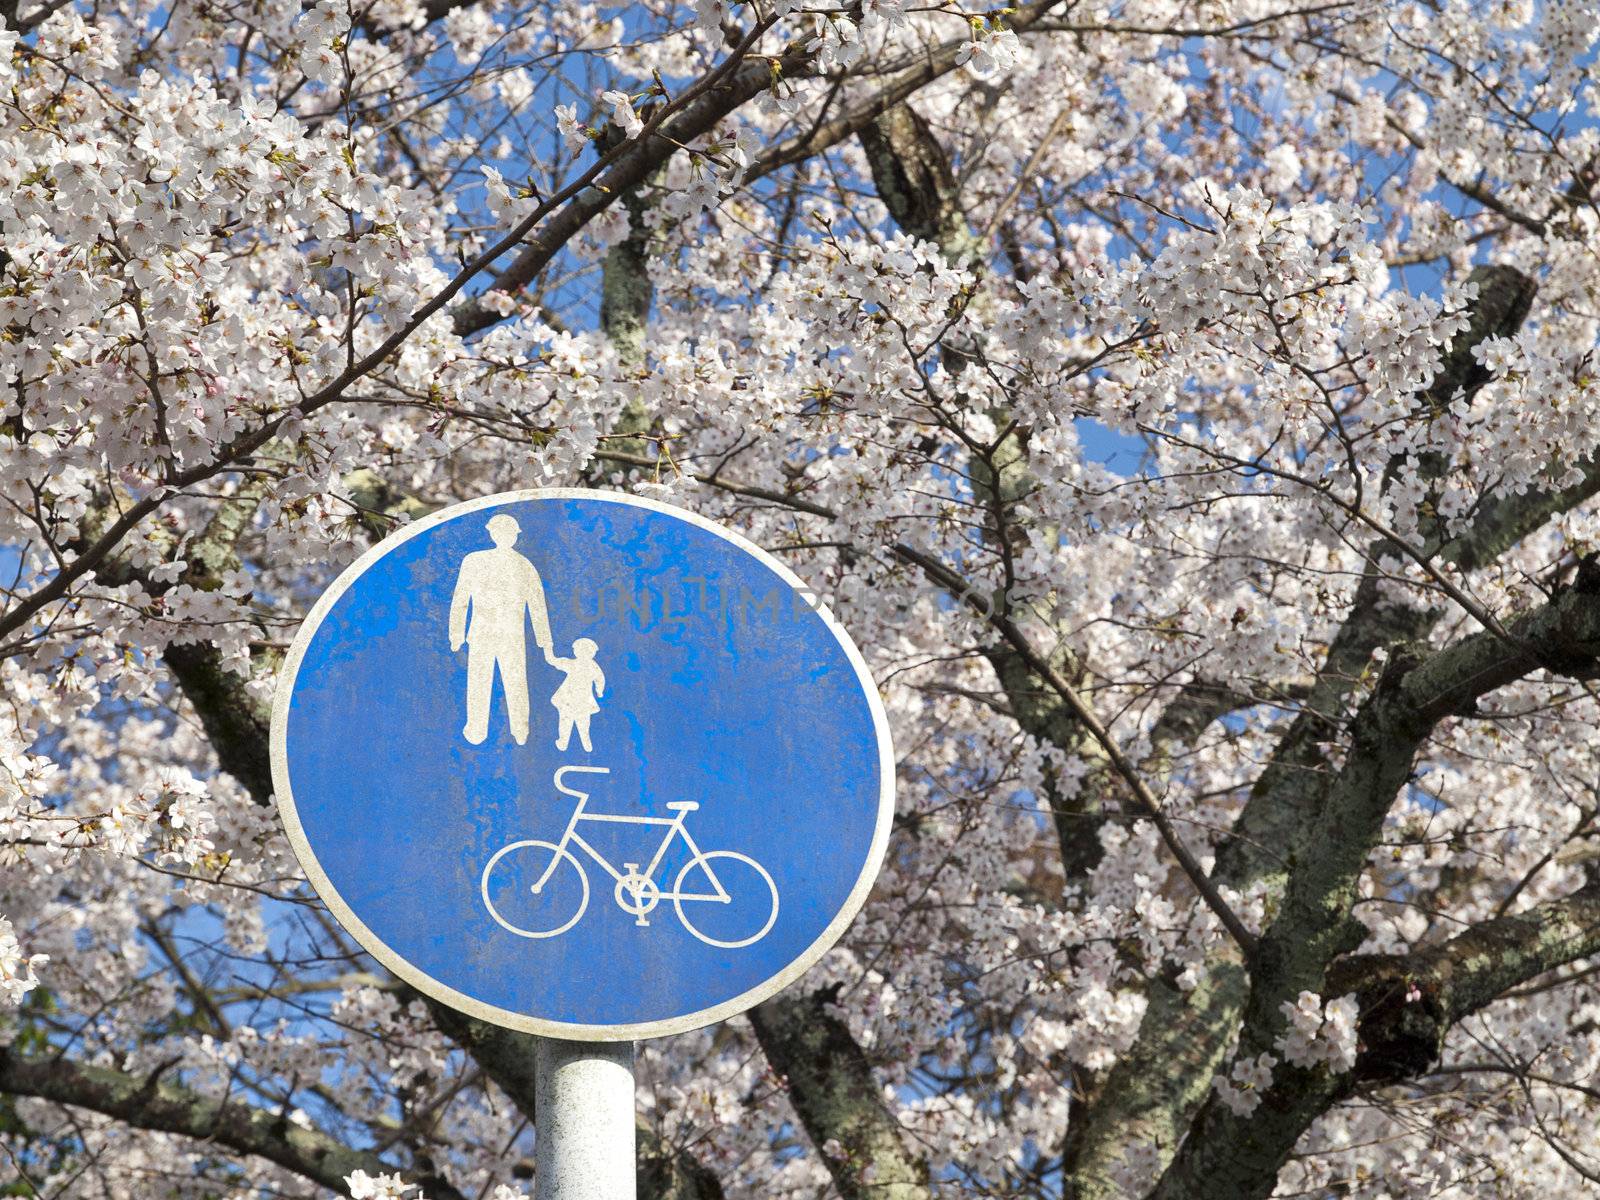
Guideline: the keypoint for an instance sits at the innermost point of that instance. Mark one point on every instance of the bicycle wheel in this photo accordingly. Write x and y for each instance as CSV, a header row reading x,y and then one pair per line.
x,y
744,917
507,886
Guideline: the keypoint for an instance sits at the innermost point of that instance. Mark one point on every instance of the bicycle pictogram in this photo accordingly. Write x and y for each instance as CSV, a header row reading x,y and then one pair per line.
x,y
527,891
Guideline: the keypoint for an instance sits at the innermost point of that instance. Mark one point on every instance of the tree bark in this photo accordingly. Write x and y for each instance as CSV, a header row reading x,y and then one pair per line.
x,y
831,1086
1226,1154
149,1102
1231,1158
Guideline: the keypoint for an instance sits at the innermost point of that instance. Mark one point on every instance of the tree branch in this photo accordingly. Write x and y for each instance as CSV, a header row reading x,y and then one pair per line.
x,y
1156,1086
154,1104
831,1086
1228,1155
1145,801
1408,1004
939,61
692,113
681,119
1402,1038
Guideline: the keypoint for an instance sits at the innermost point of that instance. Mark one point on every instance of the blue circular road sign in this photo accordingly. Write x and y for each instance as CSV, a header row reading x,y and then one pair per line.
x,y
582,764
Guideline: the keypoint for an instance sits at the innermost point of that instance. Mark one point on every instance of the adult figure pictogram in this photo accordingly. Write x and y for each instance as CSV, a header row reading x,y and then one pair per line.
x,y
498,592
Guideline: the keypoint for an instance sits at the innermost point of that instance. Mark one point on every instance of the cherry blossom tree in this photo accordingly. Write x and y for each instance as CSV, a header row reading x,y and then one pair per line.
x,y
1190,406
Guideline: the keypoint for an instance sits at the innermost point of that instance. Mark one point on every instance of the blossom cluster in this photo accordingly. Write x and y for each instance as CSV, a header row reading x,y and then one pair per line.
x,y
1241,1090
1320,1033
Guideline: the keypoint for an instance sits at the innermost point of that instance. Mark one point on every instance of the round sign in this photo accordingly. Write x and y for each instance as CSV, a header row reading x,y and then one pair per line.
x,y
582,764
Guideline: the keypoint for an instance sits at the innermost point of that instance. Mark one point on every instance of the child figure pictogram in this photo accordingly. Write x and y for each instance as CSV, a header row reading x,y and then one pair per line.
x,y
577,699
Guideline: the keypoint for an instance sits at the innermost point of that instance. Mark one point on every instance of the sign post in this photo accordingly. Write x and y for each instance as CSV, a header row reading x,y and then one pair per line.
x,y
584,1108
586,766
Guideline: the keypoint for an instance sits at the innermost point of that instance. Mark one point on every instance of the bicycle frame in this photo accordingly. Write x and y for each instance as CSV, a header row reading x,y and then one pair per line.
x,y
675,825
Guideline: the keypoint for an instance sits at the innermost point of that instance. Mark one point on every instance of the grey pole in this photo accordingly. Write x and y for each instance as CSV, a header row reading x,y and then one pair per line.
x,y
583,1113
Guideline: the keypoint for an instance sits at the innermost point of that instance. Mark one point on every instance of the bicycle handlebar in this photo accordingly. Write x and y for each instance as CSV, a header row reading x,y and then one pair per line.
x,y
561,773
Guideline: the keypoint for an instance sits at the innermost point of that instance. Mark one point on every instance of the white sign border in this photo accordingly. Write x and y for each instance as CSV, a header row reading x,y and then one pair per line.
x,y
506,1018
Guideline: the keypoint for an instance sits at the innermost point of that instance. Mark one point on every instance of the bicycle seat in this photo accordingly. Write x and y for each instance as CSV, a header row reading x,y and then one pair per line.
x,y
682,805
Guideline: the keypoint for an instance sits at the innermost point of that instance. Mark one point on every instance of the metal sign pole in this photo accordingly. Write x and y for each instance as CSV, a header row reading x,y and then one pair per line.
x,y
584,1115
